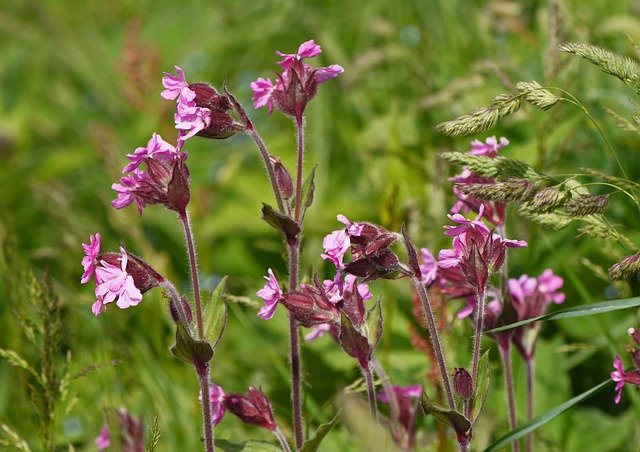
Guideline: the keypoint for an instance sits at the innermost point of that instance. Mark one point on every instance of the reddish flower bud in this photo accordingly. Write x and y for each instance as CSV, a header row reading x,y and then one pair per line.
x,y
310,305
374,267
283,178
178,193
253,408
462,383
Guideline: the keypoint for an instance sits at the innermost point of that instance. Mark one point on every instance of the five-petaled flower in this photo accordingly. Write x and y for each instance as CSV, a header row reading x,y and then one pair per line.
x,y
115,284
618,376
90,260
217,398
297,85
271,294
200,109
165,181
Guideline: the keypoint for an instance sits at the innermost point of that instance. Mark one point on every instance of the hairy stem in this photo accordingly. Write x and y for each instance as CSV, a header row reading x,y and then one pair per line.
x,y
281,438
203,379
193,264
505,354
394,407
299,166
435,340
477,339
294,343
262,147
371,392
530,365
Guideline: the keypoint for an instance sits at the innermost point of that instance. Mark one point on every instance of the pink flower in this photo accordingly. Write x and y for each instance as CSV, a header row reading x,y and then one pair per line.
x,y
317,331
103,441
156,148
165,181
176,86
323,74
353,229
271,294
549,284
216,398
532,296
476,251
489,148
191,119
115,284
618,376
297,85
128,189
90,260
308,49
407,408
263,90
465,225
335,245
428,267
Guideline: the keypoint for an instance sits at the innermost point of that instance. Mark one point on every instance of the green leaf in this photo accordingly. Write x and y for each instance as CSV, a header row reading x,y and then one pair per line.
x,y
450,417
189,349
308,187
215,314
482,386
546,417
312,444
281,222
577,311
375,324
353,342
246,446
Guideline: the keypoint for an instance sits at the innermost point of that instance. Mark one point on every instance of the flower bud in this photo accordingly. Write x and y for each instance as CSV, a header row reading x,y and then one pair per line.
x,y
253,408
178,192
462,383
310,305
283,178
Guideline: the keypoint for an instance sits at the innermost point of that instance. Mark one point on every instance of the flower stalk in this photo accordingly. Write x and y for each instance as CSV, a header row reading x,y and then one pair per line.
x,y
435,340
477,339
371,392
505,355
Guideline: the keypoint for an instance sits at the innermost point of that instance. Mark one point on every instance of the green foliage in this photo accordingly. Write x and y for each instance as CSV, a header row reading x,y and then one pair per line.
x,y
80,88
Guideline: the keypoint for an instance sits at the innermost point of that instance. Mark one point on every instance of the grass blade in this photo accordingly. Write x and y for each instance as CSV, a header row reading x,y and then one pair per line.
x,y
576,311
546,417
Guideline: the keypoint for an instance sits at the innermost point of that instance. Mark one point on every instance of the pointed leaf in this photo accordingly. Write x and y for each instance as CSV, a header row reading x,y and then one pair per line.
x,y
546,417
577,311
312,444
189,349
482,386
452,418
375,324
414,263
308,188
353,342
281,222
215,314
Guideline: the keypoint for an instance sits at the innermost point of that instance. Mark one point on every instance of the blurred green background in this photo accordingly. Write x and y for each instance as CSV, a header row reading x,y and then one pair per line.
x,y
79,89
